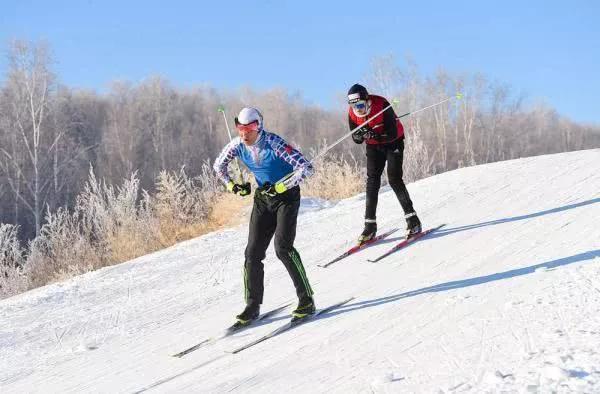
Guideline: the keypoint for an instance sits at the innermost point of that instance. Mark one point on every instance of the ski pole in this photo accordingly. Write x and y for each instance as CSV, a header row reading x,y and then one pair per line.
x,y
394,101
457,95
322,153
221,109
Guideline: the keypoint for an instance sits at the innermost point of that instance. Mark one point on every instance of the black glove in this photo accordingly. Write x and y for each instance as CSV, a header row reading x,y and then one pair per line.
x,y
357,137
364,133
268,190
243,189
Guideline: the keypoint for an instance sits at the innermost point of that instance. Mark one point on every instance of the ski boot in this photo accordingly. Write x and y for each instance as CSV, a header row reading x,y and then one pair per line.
x,y
306,307
248,315
413,224
369,231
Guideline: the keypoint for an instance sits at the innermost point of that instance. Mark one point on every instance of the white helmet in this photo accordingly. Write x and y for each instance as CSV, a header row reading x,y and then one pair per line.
x,y
248,115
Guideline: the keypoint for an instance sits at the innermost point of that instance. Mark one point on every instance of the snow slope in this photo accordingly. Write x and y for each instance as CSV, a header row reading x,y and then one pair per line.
x,y
505,298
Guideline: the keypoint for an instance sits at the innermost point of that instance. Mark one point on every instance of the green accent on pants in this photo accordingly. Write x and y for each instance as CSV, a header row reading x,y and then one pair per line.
x,y
246,292
295,256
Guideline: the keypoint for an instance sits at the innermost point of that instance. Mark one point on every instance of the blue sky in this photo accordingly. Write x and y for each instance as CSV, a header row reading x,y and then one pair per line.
x,y
549,50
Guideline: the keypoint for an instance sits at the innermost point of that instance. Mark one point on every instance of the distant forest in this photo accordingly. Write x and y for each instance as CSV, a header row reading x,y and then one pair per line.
x,y
53,136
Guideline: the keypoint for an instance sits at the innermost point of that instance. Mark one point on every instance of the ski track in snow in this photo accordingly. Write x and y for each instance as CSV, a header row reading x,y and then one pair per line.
x,y
505,298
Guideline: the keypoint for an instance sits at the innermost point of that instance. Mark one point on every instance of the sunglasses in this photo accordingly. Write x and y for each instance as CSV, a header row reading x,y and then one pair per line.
x,y
360,105
246,128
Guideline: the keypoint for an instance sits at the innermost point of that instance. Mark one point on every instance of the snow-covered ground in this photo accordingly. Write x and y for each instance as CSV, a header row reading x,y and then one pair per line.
x,y
505,298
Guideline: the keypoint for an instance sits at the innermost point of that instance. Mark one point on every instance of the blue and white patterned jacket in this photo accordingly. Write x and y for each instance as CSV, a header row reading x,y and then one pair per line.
x,y
270,159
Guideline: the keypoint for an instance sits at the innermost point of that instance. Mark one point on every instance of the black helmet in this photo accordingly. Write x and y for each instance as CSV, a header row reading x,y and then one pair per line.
x,y
357,92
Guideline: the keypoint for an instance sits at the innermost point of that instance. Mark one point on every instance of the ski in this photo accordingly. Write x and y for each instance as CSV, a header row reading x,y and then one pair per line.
x,y
406,242
230,331
291,324
358,248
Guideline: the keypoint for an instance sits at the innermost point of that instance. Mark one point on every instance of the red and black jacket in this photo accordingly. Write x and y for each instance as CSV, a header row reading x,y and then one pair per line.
x,y
386,126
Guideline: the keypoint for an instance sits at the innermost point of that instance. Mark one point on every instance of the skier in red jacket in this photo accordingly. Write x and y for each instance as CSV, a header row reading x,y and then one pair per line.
x,y
384,138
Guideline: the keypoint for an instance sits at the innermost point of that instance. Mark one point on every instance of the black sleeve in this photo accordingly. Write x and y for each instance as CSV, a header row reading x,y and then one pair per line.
x,y
389,122
351,123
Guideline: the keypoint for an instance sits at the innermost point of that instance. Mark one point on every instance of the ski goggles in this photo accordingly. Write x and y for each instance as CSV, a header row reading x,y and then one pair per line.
x,y
360,105
246,128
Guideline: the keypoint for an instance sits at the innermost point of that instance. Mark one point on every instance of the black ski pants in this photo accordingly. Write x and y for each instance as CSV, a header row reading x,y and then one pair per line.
x,y
273,216
377,156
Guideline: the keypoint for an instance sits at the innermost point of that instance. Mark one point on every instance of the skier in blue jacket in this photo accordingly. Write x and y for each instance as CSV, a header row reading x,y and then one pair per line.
x,y
274,213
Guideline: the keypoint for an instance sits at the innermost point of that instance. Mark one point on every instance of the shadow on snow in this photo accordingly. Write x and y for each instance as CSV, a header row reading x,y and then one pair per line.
x,y
458,284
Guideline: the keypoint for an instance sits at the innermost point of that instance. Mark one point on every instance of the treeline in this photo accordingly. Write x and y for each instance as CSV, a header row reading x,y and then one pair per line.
x,y
62,147
50,134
